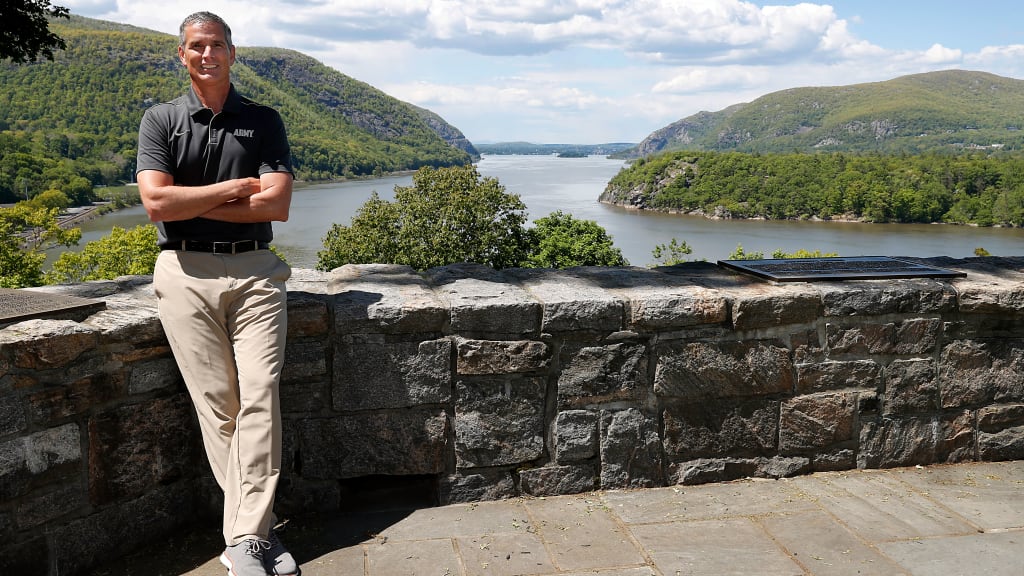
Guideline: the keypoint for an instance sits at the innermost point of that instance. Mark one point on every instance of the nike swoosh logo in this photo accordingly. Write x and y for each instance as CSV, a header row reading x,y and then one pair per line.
x,y
181,133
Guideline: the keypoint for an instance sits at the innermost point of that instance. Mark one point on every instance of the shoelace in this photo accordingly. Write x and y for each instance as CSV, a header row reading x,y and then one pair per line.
x,y
257,547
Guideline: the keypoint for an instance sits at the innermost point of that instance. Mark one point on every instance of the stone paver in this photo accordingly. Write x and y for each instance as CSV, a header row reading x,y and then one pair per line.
x,y
1000,554
825,547
729,546
583,533
956,520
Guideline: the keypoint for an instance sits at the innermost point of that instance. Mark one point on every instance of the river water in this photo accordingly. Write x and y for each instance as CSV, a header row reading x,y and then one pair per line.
x,y
549,183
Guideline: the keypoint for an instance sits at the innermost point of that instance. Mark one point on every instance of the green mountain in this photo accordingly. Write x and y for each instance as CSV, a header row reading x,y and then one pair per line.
x,y
953,110
82,110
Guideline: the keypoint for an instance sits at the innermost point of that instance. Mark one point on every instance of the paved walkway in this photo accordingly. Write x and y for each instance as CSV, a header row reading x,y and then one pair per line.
x,y
965,519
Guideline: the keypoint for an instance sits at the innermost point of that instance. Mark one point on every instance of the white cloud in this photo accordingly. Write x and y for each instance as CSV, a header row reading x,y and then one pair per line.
x,y
939,54
577,70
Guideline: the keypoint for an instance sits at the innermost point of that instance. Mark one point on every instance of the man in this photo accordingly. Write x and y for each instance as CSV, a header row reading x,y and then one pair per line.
x,y
214,171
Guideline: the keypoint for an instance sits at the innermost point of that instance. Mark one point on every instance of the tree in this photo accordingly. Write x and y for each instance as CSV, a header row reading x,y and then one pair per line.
x,y
453,215
25,232
121,253
673,253
26,32
559,241
740,254
448,215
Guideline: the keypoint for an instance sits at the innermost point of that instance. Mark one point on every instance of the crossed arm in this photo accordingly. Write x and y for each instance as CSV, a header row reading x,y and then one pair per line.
x,y
263,199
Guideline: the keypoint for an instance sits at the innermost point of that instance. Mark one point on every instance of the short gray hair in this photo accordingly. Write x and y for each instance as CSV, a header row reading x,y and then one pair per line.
x,y
201,18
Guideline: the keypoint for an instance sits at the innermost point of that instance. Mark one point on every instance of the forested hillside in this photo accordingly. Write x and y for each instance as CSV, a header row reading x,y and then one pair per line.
x,y
78,116
963,189
949,111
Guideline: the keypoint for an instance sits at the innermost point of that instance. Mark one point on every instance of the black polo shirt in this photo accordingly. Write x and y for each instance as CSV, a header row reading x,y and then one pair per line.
x,y
186,140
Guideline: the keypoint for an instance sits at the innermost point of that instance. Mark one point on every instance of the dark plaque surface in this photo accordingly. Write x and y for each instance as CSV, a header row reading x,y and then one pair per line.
x,y
852,268
18,305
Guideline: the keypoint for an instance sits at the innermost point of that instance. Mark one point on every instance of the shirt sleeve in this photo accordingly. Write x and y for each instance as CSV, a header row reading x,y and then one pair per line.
x,y
275,155
154,149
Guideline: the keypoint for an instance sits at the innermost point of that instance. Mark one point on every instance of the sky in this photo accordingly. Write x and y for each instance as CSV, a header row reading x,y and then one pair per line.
x,y
599,71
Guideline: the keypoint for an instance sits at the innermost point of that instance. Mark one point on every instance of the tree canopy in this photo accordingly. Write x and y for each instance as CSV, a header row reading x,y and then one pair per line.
x,y
26,231
26,31
452,215
982,189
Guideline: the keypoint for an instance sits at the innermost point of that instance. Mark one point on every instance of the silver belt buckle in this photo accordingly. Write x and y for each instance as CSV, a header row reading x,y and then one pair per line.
x,y
223,247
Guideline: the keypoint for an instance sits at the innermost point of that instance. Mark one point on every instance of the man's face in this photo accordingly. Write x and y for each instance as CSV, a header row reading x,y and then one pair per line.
x,y
206,54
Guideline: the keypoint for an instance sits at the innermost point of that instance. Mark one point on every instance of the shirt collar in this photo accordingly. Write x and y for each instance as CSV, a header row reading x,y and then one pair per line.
x,y
232,104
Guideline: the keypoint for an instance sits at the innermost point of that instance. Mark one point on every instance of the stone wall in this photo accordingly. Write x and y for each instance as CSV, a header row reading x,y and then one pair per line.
x,y
486,384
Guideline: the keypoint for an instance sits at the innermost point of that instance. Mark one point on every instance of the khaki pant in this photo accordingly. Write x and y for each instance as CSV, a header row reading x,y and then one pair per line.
x,y
225,317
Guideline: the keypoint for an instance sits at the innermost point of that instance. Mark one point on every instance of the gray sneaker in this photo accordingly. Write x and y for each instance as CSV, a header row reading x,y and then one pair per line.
x,y
277,560
245,558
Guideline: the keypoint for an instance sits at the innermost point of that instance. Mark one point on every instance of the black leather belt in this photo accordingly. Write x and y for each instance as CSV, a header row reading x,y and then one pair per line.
x,y
236,247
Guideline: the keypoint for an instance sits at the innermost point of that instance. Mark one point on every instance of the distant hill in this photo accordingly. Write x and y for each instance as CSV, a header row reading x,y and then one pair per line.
x,y
952,110
85,107
568,150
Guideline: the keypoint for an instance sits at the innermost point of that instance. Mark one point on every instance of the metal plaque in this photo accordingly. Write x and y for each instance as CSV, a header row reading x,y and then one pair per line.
x,y
18,305
840,268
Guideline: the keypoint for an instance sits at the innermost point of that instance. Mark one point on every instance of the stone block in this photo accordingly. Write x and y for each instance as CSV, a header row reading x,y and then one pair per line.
x,y
401,442
483,301
570,302
304,360
920,440
972,372
997,418
135,447
12,414
576,436
128,321
297,496
712,370
769,305
989,289
117,530
305,397
591,374
30,461
499,421
630,450
43,507
910,386
918,335
1006,444
377,374
861,339
816,421
1001,432
476,486
43,344
824,376
782,466
156,374
655,300
706,470
29,557
834,460
308,316
720,428
888,296
911,336
559,480
501,356
384,299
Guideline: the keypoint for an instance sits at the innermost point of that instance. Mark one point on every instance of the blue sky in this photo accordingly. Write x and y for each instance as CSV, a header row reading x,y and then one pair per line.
x,y
593,71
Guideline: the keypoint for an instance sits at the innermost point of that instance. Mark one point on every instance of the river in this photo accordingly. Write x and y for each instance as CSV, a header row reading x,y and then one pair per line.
x,y
549,183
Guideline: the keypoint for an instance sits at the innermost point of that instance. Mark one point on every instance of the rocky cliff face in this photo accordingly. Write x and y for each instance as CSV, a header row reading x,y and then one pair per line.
x,y
447,132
